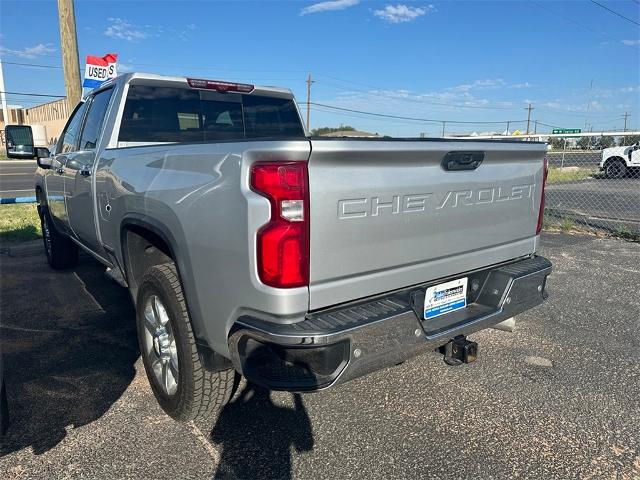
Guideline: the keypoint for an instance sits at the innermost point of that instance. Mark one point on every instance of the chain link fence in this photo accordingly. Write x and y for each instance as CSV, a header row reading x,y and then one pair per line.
x,y
594,182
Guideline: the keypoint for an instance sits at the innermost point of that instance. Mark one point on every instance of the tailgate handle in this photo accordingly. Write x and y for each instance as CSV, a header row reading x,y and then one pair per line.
x,y
462,160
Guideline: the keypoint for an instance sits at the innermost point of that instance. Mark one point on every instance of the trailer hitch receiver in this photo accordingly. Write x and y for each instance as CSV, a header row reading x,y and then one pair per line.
x,y
459,351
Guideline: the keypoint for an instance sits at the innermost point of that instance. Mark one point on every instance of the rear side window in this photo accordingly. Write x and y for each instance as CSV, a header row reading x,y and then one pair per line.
x,y
168,114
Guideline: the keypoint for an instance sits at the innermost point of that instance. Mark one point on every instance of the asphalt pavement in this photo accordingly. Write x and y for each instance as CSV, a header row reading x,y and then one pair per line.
x,y
574,159
602,202
16,178
556,399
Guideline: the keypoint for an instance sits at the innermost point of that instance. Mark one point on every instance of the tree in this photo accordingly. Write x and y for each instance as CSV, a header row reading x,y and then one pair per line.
x,y
630,140
605,141
586,143
324,130
557,143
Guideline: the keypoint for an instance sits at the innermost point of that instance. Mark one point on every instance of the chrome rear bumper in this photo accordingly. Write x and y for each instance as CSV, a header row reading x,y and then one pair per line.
x,y
338,344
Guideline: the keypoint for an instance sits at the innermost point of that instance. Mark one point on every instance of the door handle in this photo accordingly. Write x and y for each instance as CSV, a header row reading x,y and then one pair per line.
x,y
453,161
60,170
85,172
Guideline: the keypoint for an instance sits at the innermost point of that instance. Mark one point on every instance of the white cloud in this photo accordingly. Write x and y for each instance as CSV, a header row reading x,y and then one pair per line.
x,y
521,85
448,99
402,13
29,52
631,43
125,67
125,30
483,84
328,6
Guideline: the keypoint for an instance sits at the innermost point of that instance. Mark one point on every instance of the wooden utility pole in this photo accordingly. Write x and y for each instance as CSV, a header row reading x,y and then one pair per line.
x,y
69,45
626,115
309,82
444,124
529,108
3,98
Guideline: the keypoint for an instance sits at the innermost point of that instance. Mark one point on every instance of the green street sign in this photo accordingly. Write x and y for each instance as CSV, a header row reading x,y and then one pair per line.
x,y
567,130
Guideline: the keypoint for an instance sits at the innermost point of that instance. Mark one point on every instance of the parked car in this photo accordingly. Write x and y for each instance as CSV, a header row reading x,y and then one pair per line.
x,y
619,161
299,262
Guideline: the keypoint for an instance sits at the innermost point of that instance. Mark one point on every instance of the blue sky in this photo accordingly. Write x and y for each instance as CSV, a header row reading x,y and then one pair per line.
x,y
476,61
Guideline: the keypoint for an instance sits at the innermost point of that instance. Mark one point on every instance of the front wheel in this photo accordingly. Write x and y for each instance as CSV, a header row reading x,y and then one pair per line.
x,y
60,250
181,385
615,169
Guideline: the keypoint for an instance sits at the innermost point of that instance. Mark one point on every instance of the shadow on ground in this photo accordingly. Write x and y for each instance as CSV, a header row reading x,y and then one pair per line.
x,y
69,346
256,436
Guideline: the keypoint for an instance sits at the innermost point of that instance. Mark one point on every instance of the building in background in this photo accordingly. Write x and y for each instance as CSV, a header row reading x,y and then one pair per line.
x,y
51,115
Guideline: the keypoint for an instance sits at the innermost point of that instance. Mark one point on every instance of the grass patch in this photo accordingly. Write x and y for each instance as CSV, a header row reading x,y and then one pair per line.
x,y
3,156
555,224
19,223
570,174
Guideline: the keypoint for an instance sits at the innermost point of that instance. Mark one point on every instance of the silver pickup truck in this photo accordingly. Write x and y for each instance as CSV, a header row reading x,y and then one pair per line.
x,y
249,247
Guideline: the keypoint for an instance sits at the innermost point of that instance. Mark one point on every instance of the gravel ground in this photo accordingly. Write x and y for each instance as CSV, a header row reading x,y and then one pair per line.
x,y
556,399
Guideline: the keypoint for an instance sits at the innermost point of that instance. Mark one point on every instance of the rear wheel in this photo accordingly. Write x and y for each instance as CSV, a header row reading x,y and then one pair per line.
x,y
60,250
615,169
182,386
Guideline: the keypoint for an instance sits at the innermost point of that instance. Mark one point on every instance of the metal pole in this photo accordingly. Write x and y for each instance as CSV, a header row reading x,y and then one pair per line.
x,y
443,125
563,152
69,45
3,98
508,123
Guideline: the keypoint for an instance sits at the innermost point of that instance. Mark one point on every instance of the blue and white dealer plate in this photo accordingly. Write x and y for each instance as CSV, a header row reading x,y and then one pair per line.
x,y
445,298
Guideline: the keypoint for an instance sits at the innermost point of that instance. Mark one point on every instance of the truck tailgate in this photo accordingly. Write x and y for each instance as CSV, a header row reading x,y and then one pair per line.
x,y
388,214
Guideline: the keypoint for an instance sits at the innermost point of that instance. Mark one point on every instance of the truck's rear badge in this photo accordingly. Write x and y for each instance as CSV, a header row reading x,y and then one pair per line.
x,y
422,202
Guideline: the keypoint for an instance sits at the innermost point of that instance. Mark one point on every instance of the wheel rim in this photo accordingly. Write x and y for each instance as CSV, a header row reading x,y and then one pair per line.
x,y
46,234
160,345
614,169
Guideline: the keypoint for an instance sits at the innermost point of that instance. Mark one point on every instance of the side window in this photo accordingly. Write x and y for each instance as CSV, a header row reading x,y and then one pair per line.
x,y
161,114
95,119
69,138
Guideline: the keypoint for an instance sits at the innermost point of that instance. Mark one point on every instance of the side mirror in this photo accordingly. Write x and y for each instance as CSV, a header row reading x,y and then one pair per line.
x,y
19,140
43,157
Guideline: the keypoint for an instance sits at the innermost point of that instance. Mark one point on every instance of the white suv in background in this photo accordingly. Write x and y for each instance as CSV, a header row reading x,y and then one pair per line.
x,y
616,161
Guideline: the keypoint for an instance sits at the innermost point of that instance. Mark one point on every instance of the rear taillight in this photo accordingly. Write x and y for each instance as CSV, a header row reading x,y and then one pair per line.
x,y
283,243
544,182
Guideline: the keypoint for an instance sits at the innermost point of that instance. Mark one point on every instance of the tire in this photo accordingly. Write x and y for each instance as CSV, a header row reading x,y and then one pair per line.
x,y
615,169
61,252
168,350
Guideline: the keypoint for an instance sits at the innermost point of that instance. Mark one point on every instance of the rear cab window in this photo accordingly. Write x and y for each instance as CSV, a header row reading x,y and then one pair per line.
x,y
159,114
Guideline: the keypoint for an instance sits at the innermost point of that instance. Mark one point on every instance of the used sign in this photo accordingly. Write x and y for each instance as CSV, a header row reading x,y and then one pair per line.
x,y
99,70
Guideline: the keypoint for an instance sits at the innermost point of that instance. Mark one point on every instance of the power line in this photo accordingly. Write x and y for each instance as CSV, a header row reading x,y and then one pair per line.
x,y
615,13
33,94
32,65
429,120
381,93
575,22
